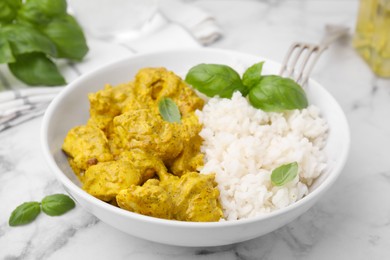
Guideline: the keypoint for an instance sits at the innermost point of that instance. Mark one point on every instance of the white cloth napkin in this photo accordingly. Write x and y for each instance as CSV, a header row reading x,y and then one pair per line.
x,y
200,24
176,25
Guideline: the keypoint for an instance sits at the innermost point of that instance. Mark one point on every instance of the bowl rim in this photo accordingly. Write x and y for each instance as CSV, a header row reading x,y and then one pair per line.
x,y
325,185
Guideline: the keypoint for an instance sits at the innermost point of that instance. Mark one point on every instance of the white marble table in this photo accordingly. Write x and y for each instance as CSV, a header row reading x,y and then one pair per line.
x,y
352,221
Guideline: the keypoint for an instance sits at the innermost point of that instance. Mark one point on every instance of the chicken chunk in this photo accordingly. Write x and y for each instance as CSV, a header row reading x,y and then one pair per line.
x,y
86,145
150,199
148,165
196,197
190,159
151,84
105,180
192,197
146,130
109,102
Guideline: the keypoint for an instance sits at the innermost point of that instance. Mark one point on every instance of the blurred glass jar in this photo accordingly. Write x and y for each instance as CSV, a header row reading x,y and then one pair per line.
x,y
372,37
114,20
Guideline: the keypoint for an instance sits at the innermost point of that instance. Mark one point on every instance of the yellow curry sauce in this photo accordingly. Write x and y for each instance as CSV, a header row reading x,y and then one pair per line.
x,y
129,156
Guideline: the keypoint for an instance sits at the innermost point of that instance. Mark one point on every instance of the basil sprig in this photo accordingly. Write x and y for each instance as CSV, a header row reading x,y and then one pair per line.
x,y
52,205
284,174
169,110
215,79
270,93
38,31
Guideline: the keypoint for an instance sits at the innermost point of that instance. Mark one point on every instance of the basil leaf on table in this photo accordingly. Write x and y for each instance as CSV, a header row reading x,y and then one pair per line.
x,y
41,12
24,213
277,94
215,79
57,204
9,9
32,27
31,15
52,205
252,75
284,174
36,69
169,110
6,55
26,39
67,37
50,8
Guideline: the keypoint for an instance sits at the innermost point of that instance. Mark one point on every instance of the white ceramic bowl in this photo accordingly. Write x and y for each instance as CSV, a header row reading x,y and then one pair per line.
x,y
70,108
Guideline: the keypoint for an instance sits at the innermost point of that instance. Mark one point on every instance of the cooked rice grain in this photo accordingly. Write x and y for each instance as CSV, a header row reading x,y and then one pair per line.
x,y
242,146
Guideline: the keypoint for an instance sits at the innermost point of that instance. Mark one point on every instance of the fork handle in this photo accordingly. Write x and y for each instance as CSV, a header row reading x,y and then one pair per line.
x,y
332,33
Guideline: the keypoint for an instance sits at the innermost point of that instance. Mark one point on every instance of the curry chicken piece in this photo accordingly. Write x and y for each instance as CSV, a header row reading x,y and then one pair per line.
x,y
107,103
177,144
145,129
190,159
196,197
105,180
150,199
151,84
148,165
86,146
192,197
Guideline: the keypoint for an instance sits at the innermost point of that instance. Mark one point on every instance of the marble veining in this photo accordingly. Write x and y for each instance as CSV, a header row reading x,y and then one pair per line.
x,y
352,221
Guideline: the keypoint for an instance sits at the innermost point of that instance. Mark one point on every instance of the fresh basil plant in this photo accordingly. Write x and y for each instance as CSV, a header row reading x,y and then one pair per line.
x,y
35,32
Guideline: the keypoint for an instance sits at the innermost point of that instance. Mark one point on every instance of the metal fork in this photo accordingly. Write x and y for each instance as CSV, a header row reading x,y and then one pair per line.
x,y
301,57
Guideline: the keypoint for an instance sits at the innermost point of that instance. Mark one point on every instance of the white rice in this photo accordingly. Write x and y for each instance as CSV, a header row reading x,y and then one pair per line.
x,y
242,145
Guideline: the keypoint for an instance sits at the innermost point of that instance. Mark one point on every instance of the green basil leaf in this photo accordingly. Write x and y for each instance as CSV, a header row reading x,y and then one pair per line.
x,y
26,39
252,75
31,14
41,11
8,10
51,8
6,55
24,213
57,204
67,36
169,110
36,69
284,174
277,94
215,79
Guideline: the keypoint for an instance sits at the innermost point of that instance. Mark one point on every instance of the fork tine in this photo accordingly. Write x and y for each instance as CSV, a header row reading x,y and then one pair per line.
x,y
299,66
312,49
300,48
305,75
290,51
